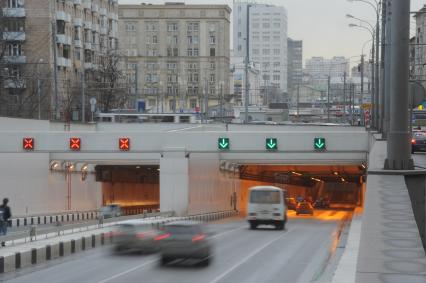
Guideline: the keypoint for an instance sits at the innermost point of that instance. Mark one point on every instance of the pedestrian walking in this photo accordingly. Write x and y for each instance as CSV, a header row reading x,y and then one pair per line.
x,y
5,216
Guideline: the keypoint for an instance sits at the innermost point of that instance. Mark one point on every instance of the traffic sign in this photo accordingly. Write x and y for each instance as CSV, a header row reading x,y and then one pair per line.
x,y
223,144
28,143
319,144
75,144
124,144
271,144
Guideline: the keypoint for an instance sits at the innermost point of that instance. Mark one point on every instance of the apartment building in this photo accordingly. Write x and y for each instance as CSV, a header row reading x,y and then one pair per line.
x,y
179,55
295,63
48,48
320,68
266,33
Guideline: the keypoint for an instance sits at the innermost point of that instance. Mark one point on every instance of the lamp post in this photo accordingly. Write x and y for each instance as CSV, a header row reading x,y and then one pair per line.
x,y
373,77
376,7
40,61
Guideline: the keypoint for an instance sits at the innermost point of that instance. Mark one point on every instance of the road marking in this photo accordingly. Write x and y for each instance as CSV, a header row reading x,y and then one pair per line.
x,y
184,129
223,275
226,232
128,271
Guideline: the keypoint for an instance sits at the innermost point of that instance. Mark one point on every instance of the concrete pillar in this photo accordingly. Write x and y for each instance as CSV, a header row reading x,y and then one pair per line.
x,y
174,181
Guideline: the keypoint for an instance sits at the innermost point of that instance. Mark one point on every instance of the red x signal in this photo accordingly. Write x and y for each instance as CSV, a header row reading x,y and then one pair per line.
x,y
124,144
75,143
28,143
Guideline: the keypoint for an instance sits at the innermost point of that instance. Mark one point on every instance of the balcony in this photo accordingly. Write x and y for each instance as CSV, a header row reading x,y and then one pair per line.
x,y
103,11
88,25
78,2
95,8
63,39
63,16
64,62
88,45
103,30
78,22
15,83
14,35
78,43
20,59
87,4
14,12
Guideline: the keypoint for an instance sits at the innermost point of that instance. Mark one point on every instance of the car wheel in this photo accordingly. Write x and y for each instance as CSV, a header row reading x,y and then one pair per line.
x,y
253,226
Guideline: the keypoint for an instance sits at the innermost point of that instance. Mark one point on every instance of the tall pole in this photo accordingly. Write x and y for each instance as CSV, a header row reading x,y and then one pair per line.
x,y
362,91
206,100
38,97
83,98
387,66
136,83
55,71
298,99
373,88
344,97
328,99
376,86
246,90
382,72
221,102
398,149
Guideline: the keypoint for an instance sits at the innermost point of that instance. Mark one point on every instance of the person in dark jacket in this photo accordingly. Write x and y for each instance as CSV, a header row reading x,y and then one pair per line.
x,y
5,215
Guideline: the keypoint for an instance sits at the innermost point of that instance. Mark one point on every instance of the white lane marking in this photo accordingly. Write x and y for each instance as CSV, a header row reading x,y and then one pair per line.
x,y
128,271
226,232
223,275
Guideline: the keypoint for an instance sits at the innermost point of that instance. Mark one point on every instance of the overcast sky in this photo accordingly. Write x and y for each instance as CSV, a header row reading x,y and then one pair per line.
x,y
321,24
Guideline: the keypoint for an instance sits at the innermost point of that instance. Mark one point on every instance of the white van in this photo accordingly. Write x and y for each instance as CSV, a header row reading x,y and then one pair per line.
x,y
267,206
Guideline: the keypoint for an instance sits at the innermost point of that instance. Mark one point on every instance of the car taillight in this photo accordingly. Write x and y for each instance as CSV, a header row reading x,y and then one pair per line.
x,y
413,141
162,237
198,237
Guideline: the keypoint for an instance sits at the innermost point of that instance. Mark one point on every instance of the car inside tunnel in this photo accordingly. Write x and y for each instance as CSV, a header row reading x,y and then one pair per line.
x,y
136,188
324,186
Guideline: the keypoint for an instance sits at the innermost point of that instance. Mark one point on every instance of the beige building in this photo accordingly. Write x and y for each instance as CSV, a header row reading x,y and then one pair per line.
x,y
86,33
178,54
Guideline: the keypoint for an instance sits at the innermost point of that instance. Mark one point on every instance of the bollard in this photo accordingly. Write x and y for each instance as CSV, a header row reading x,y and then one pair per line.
x,y
17,260
61,248
48,252
33,256
93,241
72,246
33,232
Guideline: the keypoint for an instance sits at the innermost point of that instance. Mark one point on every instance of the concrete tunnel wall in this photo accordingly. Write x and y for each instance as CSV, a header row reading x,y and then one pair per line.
x,y
32,188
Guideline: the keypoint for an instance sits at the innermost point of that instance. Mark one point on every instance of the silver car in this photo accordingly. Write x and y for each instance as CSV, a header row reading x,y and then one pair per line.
x,y
132,236
111,210
184,240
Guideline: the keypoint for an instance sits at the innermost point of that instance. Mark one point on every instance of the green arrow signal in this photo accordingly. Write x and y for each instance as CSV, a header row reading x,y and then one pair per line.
x,y
223,143
271,144
319,143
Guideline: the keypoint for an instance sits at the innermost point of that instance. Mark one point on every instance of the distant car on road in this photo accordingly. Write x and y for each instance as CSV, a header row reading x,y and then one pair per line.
x,y
132,235
184,240
322,203
418,141
111,210
291,203
304,207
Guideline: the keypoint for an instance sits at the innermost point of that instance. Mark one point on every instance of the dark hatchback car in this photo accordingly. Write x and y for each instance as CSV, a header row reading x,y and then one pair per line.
x,y
418,142
304,207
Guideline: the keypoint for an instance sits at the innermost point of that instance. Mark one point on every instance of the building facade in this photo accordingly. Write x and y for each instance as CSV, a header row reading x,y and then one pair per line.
x,y
295,63
320,68
267,39
48,48
239,82
179,54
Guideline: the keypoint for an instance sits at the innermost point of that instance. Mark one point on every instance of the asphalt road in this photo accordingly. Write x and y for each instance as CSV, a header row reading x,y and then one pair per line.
x,y
295,255
420,159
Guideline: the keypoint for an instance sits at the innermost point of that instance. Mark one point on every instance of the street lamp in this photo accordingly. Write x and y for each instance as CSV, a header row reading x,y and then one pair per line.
x,y
376,7
40,61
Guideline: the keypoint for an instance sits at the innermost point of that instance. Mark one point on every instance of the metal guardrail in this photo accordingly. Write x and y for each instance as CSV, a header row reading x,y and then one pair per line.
x,y
37,219
34,234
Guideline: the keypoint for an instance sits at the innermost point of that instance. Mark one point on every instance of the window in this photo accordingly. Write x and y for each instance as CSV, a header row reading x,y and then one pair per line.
x,y
172,40
172,52
212,39
192,39
14,24
266,38
212,90
15,71
15,4
151,102
66,51
192,103
171,66
151,26
154,39
255,51
130,26
76,33
266,77
212,52
212,78
255,25
60,27
265,51
239,47
276,38
239,34
192,52
172,27
276,52
276,77
193,27
172,105
212,65
265,65
266,25
77,54
277,25
276,65
255,38
14,49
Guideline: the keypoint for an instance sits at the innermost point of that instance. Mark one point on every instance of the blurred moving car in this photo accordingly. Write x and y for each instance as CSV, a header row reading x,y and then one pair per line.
x,y
291,203
111,210
267,207
304,207
418,141
132,235
184,240
322,203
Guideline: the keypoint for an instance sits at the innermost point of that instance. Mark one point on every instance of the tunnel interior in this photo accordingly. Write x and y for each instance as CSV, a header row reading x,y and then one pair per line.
x,y
134,187
342,185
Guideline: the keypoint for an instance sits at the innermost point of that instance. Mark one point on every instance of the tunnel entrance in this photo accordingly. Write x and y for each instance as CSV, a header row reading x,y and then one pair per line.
x,y
341,185
134,187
